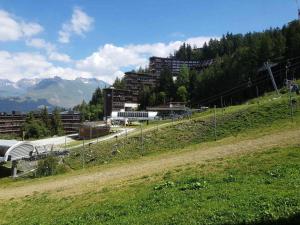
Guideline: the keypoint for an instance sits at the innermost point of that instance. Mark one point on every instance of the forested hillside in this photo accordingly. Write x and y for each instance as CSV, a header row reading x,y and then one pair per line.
x,y
236,74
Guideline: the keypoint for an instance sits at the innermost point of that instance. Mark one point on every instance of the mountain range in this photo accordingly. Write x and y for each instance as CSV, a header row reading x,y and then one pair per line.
x,y
29,94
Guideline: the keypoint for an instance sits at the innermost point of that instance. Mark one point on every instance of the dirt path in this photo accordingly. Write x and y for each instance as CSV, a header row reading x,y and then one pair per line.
x,y
80,183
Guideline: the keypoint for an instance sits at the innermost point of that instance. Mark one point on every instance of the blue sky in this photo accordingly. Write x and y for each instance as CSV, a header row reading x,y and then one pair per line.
x,y
95,38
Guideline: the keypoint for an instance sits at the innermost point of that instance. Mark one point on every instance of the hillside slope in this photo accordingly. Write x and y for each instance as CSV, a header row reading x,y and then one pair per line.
x,y
180,175
74,184
257,116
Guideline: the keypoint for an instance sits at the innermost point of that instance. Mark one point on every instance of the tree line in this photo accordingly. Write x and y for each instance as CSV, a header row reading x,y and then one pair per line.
x,y
234,77
93,110
41,124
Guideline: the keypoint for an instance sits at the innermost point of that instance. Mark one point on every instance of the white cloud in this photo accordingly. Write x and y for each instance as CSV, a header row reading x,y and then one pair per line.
x,y
60,57
109,60
22,65
12,29
51,50
79,24
107,63
15,66
31,29
199,41
41,44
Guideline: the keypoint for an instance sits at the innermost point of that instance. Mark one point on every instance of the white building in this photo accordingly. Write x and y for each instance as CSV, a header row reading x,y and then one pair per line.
x,y
133,115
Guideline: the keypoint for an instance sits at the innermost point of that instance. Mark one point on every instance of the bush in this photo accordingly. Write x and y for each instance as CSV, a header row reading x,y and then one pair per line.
x,y
35,129
49,166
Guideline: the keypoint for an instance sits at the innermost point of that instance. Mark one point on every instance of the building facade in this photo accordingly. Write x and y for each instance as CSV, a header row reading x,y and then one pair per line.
x,y
127,99
117,100
11,124
157,64
133,116
71,121
89,130
170,109
136,82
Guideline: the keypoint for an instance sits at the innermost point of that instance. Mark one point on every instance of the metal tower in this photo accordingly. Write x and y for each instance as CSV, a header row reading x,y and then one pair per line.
x,y
298,9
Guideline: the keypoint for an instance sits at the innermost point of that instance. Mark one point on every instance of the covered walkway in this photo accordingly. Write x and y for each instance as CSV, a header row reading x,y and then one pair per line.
x,y
13,151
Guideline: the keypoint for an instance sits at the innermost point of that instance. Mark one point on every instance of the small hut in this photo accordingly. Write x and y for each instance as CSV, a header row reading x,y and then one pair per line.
x,y
90,130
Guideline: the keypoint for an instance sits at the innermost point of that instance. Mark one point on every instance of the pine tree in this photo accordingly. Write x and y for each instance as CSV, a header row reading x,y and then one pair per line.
x,y
45,117
144,98
182,94
161,98
183,77
119,83
166,83
34,127
56,124
97,98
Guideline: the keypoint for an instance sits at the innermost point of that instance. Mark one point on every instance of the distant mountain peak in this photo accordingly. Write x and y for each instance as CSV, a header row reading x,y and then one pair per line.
x,y
56,90
5,82
27,83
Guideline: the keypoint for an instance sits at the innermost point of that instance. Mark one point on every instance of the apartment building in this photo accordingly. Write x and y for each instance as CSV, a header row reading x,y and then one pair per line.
x,y
11,123
157,64
136,82
117,100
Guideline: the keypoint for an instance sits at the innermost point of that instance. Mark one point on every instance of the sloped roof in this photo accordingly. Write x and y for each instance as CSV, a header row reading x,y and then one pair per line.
x,y
11,150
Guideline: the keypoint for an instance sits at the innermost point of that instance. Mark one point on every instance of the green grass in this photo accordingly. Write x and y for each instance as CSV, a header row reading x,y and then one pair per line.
x,y
256,188
10,136
250,189
235,121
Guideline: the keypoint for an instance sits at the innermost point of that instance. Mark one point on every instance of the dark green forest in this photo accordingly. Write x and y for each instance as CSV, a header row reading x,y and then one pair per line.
x,y
235,75
93,110
41,124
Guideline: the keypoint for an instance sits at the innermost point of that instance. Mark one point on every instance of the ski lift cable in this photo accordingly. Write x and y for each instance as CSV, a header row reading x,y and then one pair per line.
x,y
245,83
238,88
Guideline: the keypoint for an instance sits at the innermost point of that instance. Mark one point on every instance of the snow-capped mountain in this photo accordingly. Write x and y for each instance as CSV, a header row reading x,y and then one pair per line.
x,y
9,88
55,91
27,83
5,83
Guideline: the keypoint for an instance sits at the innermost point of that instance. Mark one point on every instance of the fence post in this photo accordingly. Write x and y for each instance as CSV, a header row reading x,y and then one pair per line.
x,y
291,105
142,141
215,123
82,153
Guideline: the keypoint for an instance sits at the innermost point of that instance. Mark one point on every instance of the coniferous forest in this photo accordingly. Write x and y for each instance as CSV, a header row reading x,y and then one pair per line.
x,y
238,72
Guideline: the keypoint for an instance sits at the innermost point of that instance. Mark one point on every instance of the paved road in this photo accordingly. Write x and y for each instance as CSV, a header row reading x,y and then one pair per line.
x,y
54,140
121,132
69,138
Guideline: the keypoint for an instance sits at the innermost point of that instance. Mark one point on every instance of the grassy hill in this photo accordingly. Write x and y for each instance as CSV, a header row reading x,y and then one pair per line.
x,y
268,113
178,174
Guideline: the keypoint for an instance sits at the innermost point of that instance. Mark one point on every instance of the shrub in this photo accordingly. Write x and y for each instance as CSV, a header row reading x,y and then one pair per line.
x,y
35,129
164,185
49,166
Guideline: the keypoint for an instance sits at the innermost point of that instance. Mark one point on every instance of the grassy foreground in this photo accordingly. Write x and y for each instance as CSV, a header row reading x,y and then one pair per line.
x,y
251,189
